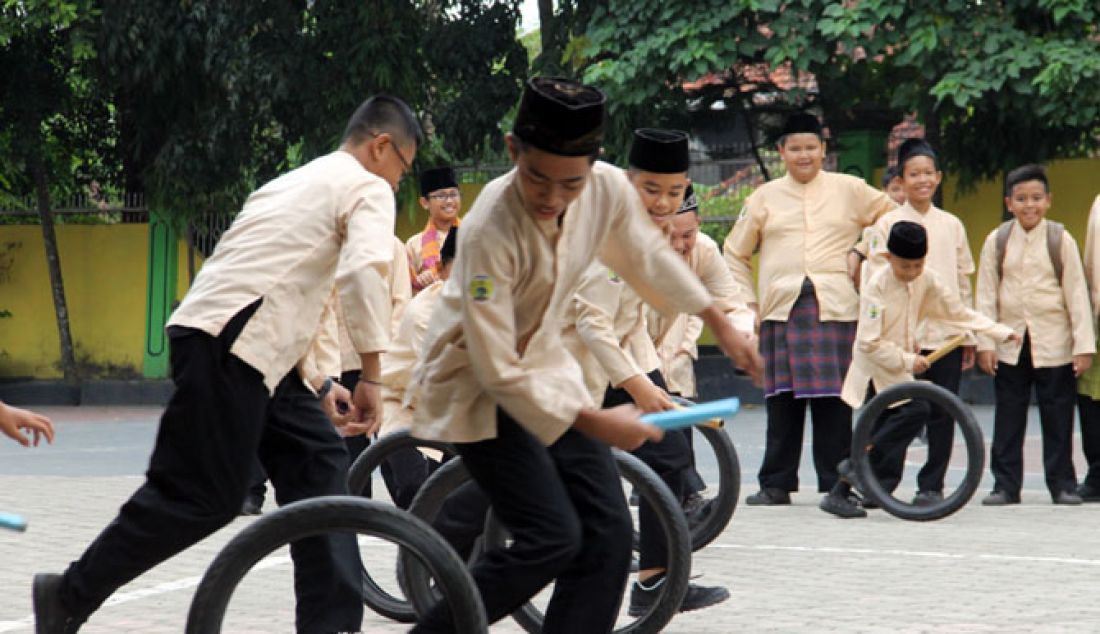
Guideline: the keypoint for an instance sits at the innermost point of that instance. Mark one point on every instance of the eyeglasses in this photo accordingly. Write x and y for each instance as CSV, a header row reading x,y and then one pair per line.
x,y
445,196
405,166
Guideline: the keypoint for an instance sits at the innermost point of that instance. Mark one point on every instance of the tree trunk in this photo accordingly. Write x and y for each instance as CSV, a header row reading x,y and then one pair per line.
x,y
752,141
546,24
53,261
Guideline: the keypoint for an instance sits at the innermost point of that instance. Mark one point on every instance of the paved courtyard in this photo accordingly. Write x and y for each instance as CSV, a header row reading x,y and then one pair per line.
x,y
1029,568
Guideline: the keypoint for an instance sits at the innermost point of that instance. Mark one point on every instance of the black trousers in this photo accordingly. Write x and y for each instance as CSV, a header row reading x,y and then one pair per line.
x,y
894,430
671,460
1056,390
1089,412
832,439
946,373
569,521
219,418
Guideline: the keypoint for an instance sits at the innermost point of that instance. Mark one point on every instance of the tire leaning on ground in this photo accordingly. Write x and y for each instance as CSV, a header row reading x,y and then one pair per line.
x,y
724,503
360,473
335,513
671,517
957,410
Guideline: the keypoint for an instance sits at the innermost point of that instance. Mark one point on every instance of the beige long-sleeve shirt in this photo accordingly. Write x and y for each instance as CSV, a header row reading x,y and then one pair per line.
x,y
497,338
675,339
399,361
803,230
400,286
886,336
948,255
1029,298
611,323
1092,257
285,247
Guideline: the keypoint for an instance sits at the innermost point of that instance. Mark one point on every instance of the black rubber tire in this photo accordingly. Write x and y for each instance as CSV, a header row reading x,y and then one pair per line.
x,y
729,484
729,488
335,513
868,483
649,485
360,473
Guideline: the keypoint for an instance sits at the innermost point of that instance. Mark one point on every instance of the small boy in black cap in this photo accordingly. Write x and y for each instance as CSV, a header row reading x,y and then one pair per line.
x,y
441,198
893,303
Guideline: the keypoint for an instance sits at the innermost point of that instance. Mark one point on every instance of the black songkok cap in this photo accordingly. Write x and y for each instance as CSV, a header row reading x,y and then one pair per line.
x,y
802,123
691,203
908,240
660,151
889,175
914,147
437,178
450,246
561,116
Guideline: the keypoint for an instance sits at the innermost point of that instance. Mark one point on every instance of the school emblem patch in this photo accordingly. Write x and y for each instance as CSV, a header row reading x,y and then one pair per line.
x,y
874,312
613,277
481,288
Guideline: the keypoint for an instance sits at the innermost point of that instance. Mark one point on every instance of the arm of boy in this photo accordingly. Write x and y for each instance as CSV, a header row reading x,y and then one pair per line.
x,y
737,251
871,341
985,301
15,421
598,300
1076,292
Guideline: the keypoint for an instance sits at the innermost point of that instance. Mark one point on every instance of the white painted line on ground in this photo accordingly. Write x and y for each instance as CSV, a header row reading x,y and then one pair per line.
x,y
911,553
186,583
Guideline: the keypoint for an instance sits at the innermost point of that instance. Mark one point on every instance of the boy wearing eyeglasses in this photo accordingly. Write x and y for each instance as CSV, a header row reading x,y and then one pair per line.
x,y
440,197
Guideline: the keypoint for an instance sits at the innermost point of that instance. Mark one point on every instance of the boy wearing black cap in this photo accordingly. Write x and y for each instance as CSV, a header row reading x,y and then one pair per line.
x,y
802,226
496,380
440,196
949,256
892,184
621,364
894,301
1031,279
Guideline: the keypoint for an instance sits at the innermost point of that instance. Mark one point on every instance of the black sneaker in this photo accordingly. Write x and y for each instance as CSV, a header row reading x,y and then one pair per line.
x,y
1088,493
927,498
642,597
768,497
841,506
50,616
693,503
999,498
1067,497
252,506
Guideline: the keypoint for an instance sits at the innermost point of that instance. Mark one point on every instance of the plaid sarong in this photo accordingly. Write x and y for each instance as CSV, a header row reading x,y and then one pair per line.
x,y
805,355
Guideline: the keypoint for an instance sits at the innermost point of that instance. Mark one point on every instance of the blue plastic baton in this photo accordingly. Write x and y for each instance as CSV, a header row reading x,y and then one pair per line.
x,y
13,522
690,416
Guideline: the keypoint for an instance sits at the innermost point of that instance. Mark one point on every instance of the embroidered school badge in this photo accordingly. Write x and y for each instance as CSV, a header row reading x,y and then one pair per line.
x,y
613,277
481,288
874,312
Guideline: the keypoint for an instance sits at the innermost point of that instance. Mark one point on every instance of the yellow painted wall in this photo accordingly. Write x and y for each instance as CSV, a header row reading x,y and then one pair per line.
x,y
104,269
1074,185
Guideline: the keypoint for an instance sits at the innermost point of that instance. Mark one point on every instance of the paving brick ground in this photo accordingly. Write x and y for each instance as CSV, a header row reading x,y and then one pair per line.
x,y
1028,568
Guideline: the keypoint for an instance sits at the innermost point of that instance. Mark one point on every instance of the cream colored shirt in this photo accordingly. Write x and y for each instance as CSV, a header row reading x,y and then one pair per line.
x,y
948,255
497,338
1092,257
611,323
886,336
675,340
285,247
1029,298
400,293
803,230
399,361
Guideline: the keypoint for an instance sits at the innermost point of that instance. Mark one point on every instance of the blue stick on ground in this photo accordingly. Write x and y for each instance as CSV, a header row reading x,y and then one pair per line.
x,y
680,418
13,522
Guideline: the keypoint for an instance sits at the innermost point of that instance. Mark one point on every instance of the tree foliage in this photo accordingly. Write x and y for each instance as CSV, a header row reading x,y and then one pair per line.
x,y
998,82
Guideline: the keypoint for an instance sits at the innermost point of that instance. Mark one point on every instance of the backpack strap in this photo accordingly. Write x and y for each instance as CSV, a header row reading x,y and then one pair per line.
x,y
1055,232
1001,242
